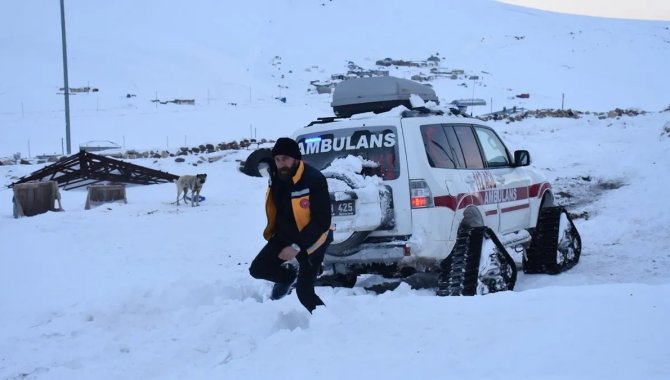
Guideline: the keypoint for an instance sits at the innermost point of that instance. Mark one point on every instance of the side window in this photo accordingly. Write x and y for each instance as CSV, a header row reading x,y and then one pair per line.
x,y
437,147
455,146
468,142
495,153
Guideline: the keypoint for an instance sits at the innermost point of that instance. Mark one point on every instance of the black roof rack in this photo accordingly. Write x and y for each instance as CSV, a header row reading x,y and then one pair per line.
x,y
323,120
416,112
422,111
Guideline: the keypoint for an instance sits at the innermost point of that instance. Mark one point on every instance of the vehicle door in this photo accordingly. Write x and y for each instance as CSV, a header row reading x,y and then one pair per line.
x,y
452,150
478,179
510,190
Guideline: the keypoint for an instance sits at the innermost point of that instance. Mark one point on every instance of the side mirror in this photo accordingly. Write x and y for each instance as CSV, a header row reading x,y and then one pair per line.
x,y
521,158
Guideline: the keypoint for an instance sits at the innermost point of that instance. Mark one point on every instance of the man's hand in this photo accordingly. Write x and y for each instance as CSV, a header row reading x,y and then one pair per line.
x,y
288,253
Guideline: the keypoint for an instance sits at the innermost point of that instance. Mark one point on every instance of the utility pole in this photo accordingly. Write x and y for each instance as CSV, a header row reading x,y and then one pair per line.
x,y
474,80
562,100
66,85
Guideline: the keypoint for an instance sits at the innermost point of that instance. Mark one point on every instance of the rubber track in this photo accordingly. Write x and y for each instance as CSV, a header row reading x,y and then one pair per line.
x,y
460,269
541,256
503,257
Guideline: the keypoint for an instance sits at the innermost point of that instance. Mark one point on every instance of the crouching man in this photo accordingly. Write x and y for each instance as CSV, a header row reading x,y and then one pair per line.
x,y
298,211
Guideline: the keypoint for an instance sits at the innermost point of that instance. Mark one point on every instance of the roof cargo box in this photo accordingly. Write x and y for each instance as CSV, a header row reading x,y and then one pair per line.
x,y
377,94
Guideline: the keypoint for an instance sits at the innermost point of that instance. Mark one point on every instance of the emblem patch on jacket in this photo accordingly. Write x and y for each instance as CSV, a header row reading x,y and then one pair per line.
x,y
304,203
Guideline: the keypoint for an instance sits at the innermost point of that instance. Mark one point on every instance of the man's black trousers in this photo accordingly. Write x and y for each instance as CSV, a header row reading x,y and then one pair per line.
x,y
268,266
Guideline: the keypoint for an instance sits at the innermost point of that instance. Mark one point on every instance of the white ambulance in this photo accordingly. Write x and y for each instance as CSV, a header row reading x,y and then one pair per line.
x,y
431,197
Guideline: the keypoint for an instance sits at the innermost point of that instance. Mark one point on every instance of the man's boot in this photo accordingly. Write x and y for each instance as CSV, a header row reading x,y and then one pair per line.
x,y
281,289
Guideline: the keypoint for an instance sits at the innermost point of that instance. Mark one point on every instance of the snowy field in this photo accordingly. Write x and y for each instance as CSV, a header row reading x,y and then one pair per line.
x,y
148,290
151,290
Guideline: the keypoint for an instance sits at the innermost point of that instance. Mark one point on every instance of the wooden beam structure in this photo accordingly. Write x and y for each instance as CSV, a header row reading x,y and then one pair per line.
x,y
85,168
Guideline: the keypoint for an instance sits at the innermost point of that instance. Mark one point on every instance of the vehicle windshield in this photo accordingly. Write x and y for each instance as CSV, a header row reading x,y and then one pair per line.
x,y
376,144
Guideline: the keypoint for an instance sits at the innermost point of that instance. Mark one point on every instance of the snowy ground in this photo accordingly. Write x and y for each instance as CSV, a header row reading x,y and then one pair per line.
x,y
147,290
155,291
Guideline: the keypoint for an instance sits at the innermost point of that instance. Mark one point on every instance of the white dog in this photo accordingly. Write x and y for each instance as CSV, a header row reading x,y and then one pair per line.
x,y
192,183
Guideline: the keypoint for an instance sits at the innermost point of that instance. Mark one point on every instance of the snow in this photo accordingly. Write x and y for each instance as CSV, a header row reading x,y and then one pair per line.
x,y
149,290
350,167
367,189
416,101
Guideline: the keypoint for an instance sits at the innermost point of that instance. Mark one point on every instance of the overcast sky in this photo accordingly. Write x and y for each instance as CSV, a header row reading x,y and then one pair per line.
x,y
639,9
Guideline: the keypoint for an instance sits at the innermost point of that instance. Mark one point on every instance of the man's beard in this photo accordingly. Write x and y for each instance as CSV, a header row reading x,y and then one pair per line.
x,y
285,174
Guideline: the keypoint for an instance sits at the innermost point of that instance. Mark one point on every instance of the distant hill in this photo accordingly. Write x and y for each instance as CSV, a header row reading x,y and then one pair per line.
x,y
228,71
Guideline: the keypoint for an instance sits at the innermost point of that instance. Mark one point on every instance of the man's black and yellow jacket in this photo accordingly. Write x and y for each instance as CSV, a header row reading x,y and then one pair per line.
x,y
298,211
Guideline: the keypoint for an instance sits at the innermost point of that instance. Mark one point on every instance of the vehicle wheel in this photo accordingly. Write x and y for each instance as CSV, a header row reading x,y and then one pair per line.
x,y
347,247
257,161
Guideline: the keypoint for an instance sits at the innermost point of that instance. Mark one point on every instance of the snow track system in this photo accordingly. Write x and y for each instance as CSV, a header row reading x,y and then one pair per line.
x,y
556,244
480,264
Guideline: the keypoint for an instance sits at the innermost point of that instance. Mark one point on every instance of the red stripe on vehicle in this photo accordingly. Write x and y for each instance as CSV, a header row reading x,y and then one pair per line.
x,y
448,201
537,190
459,201
514,208
491,212
462,200
521,192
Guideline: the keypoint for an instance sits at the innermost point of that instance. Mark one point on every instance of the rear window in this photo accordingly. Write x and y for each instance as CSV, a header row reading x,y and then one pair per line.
x,y
442,147
377,144
473,158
